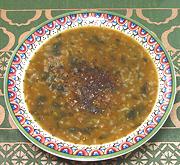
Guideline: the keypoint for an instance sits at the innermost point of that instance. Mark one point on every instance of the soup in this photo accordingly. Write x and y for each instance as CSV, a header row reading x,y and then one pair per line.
x,y
90,85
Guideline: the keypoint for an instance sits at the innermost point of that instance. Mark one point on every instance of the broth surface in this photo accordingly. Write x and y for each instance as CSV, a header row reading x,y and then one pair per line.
x,y
90,85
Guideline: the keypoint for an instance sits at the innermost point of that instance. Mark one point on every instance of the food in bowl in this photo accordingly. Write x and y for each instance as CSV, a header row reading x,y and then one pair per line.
x,y
90,85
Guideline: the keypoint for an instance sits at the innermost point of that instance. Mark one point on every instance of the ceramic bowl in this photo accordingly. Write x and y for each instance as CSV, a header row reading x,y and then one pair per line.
x,y
14,96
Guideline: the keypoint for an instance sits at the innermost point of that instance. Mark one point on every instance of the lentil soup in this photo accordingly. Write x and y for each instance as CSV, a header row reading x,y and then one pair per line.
x,y
90,85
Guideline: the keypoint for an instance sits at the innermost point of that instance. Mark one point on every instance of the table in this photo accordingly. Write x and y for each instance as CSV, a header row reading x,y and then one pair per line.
x,y
19,17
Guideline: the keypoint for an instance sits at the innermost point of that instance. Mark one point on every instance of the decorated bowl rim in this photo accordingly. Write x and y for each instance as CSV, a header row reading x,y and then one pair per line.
x,y
106,156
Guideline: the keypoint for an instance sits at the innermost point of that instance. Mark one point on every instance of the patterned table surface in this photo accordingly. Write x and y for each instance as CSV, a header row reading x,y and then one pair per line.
x,y
19,17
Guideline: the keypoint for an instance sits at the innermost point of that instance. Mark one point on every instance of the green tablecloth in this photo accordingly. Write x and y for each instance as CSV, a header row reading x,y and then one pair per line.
x,y
18,17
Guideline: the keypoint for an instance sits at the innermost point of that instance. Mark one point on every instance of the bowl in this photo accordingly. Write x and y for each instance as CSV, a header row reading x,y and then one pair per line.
x,y
15,101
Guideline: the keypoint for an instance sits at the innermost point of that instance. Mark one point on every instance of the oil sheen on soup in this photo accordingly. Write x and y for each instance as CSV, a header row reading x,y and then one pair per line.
x,y
90,85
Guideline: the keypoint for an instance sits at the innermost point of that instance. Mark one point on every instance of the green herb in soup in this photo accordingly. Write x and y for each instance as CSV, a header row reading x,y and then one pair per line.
x,y
90,85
